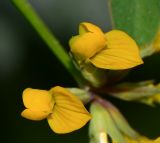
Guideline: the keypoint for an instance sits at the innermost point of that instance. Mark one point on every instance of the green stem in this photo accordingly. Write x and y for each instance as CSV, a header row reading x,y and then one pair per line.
x,y
32,17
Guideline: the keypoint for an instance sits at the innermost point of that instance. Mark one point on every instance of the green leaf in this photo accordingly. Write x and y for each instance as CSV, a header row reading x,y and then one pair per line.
x,y
139,18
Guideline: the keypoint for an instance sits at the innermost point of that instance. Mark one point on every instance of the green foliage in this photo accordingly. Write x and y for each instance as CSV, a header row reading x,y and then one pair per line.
x,y
139,18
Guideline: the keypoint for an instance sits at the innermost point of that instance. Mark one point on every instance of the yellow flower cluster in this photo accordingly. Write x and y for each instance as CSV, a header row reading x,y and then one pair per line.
x,y
63,110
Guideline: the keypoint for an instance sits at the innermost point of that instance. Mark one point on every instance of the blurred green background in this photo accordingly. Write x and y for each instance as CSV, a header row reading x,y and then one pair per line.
x,y
25,61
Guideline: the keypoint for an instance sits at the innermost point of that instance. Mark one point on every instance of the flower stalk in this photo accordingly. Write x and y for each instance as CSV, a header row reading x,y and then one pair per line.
x,y
53,44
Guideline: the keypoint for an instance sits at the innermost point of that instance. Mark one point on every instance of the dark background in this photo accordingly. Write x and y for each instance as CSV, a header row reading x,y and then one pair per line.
x,y
25,61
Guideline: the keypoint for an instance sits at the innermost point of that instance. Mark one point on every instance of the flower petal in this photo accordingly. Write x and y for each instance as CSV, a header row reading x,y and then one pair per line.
x,y
89,27
157,140
121,52
86,45
34,115
36,99
69,113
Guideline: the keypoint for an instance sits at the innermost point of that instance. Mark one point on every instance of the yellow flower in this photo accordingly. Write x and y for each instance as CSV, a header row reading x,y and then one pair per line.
x,y
157,140
64,111
113,50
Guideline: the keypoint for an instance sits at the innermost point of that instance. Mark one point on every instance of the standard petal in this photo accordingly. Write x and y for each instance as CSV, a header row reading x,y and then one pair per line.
x,y
69,113
86,45
36,99
121,52
34,115
89,27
